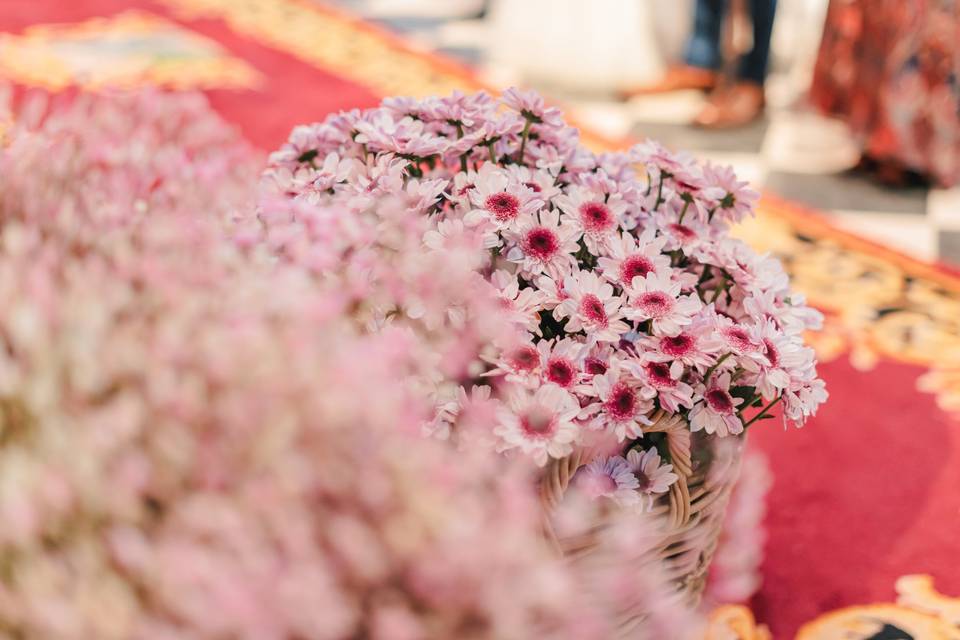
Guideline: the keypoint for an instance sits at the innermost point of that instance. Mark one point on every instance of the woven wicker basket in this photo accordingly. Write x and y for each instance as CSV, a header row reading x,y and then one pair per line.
x,y
688,518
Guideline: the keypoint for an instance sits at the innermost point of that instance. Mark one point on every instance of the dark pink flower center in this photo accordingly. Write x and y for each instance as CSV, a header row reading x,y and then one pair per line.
x,y
503,206
655,303
720,401
596,217
622,403
592,309
683,231
659,374
541,243
770,350
738,338
643,479
538,423
533,186
677,346
595,366
633,267
560,372
524,359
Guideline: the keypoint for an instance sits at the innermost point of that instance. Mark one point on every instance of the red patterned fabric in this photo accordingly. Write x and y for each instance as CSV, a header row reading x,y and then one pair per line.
x,y
891,69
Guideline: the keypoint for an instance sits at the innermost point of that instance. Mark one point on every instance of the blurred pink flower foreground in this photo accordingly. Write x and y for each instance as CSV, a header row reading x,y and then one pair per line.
x,y
201,438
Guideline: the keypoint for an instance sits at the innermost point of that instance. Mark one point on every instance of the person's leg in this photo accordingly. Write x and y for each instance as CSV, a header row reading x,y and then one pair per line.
x,y
753,65
703,48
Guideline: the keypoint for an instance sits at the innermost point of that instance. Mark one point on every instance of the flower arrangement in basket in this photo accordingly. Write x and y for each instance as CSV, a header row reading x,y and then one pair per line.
x,y
651,339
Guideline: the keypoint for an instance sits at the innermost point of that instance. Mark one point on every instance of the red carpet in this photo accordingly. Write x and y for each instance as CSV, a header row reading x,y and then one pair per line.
x,y
865,493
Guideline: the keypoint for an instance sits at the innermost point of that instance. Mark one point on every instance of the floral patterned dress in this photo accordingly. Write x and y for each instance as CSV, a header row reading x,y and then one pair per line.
x,y
891,69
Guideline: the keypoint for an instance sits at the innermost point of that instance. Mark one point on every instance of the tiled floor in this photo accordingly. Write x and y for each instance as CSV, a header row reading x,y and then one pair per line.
x,y
792,151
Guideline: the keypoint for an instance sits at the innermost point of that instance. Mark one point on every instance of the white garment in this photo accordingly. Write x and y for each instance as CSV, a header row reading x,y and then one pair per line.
x,y
579,44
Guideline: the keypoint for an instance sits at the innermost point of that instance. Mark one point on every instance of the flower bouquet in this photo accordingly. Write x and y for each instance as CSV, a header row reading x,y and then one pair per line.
x,y
650,340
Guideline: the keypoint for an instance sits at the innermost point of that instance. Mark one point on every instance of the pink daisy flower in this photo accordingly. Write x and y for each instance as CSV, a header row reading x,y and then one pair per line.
x,y
592,307
541,182
734,337
519,363
695,347
609,478
404,137
593,216
543,246
801,400
531,105
463,184
653,478
540,424
793,316
662,380
736,199
657,298
561,361
553,292
597,360
631,257
522,305
717,413
450,403
782,358
448,234
620,409
689,236
498,201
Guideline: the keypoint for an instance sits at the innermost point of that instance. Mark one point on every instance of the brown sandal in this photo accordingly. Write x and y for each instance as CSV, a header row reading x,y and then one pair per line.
x,y
678,78
733,106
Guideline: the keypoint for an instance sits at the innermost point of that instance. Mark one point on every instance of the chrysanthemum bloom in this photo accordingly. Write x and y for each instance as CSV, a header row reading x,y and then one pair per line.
x,y
631,257
609,478
561,361
737,199
717,412
662,381
521,305
656,297
652,477
620,408
542,244
695,347
500,201
597,218
591,306
541,424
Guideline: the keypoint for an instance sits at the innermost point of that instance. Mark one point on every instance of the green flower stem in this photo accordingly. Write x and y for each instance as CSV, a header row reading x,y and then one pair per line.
x,y
523,142
660,199
706,376
763,411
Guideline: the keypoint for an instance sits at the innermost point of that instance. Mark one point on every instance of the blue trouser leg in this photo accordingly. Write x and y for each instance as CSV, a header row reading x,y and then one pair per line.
x,y
703,49
753,65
